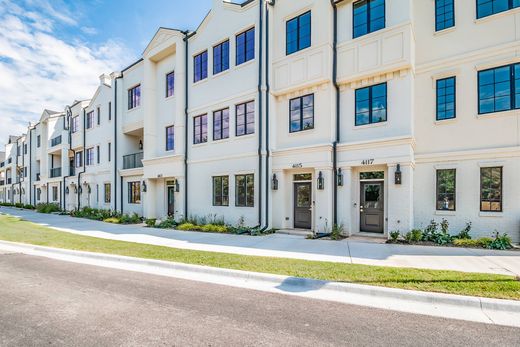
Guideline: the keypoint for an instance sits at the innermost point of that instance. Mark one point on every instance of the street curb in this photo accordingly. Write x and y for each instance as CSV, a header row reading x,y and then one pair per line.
x,y
485,310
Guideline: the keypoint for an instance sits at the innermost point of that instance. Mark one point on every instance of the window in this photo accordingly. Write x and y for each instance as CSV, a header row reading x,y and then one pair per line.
x,y
245,190
109,151
491,189
170,143
245,46
89,156
108,193
25,171
444,14
221,57
98,154
446,190
134,97
301,113
446,98
489,7
369,16
74,128
221,191
221,124
499,89
54,193
200,66
90,119
134,192
25,149
371,105
38,141
245,118
170,84
298,33
200,129
110,110
79,159
98,111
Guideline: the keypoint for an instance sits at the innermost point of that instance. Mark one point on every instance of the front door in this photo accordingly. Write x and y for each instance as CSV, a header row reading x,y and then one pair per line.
x,y
303,205
171,205
372,209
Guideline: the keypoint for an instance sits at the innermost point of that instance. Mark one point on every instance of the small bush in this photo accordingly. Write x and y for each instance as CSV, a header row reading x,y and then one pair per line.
x,y
28,207
18,205
500,242
47,208
484,242
130,219
168,223
212,228
431,231
394,235
337,232
466,243
150,223
464,233
417,235
189,227
113,220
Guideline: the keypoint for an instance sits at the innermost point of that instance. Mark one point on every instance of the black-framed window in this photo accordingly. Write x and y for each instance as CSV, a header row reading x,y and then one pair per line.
x,y
298,33
245,118
446,98
54,193
170,138
221,57
170,84
200,129
490,7
110,110
446,189
200,66
221,191
78,159
371,104
90,119
109,154
245,190
98,110
25,171
245,46
301,113
444,14
134,97
75,125
25,149
108,193
499,89
89,156
38,141
98,154
221,124
369,16
134,192
491,189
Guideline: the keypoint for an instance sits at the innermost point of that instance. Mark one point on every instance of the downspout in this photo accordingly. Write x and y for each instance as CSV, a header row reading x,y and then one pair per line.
x,y
69,117
260,109
29,168
83,159
115,145
22,177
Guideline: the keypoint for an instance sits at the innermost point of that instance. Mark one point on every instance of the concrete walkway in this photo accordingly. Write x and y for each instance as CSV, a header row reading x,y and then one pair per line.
x,y
290,246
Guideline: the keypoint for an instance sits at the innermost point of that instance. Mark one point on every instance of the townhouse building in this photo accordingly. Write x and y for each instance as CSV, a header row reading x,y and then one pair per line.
x,y
378,115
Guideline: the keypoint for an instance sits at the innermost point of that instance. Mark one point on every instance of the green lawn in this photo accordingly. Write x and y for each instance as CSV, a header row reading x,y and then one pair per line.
x,y
493,286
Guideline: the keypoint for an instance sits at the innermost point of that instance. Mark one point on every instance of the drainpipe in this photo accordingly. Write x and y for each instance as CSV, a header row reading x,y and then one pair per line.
x,y
187,36
84,160
115,144
29,169
65,127
260,110
21,176
121,180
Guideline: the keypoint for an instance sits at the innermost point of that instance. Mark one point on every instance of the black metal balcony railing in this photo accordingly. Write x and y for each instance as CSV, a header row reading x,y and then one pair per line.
x,y
9,161
132,161
37,177
56,141
2,164
9,180
56,172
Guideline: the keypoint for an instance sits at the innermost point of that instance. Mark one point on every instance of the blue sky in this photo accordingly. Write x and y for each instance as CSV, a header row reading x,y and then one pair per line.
x,y
53,51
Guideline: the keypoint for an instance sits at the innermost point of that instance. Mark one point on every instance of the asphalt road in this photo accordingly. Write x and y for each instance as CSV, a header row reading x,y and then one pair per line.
x,y
46,302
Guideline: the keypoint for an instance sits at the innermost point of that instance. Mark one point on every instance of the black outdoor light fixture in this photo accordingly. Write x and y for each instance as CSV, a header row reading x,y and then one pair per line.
x,y
140,145
75,190
398,175
340,177
144,186
321,181
274,183
177,187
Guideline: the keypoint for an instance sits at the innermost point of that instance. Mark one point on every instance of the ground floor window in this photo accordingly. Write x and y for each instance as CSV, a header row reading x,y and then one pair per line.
x,y
446,189
221,191
245,190
54,193
108,193
134,192
491,189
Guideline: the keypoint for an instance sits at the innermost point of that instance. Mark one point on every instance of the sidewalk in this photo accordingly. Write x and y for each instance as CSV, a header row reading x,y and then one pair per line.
x,y
290,246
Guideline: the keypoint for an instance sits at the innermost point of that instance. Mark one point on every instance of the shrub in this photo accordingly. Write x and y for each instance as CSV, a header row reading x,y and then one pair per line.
x,y
28,207
464,233
113,220
484,241
337,232
500,242
394,235
168,223
150,223
47,208
212,228
466,243
414,236
431,231
18,205
130,219
189,227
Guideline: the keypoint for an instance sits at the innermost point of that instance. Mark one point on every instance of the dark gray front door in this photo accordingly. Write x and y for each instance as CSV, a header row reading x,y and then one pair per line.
x,y
302,205
372,210
171,206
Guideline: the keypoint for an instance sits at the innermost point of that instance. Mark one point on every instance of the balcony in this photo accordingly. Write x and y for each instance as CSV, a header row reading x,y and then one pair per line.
x,y
56,141
38,177
132,161
56,172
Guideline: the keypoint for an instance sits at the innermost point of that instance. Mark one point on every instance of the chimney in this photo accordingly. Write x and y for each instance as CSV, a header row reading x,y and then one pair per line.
x,y
104,79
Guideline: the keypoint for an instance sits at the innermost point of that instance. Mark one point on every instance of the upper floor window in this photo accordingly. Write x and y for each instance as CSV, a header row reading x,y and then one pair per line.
x,y
25,148
110,110
491,189
369,16
200,129
221,124
98,154
371,104
446,98
170,143
221,191
134,192
89,156
109,151
170,84
499,89
245,46
74,126
446,189
221,57
90,119
78,159
489,7
298,33
245,118
444,14
301,113
98,111
200,66
245,190
38,141
134,97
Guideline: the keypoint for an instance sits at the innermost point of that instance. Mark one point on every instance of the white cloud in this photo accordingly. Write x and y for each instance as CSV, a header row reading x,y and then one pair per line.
x,y
39,70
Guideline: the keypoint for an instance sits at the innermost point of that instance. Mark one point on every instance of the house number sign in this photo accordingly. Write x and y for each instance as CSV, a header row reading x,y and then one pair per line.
x,y
297,166
367,162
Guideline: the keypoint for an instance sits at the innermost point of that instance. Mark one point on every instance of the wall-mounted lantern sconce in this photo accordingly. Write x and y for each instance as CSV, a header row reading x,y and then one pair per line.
x,y
321,181
140,145
144,186
177,187
75,190
340,178
67,190
398,175
274,183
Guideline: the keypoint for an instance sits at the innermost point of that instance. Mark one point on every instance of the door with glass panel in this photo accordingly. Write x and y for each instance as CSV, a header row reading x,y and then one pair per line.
x,y
372,207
